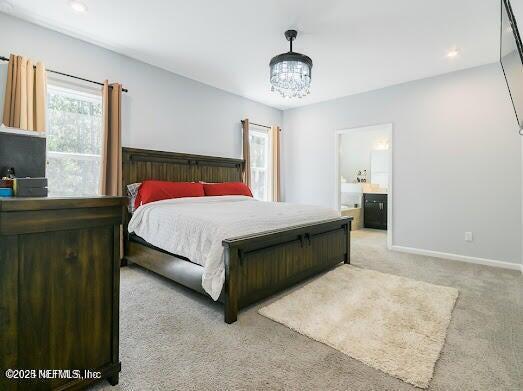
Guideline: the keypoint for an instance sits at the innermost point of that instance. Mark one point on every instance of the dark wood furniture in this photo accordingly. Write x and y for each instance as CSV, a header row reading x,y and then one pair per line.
x,y
255,265
59,288
375,210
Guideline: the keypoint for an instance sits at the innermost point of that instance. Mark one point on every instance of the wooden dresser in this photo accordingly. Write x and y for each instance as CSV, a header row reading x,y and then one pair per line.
x,y
59,291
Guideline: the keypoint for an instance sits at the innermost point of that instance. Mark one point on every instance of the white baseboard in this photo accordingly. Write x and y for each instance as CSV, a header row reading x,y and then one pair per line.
x,y
460,258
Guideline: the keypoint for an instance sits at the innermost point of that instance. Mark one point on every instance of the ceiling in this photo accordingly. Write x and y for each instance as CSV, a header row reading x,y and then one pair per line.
x,y
356,45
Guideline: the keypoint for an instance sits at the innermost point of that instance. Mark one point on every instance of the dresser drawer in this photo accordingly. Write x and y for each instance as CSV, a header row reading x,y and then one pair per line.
x,y
59,289
375,197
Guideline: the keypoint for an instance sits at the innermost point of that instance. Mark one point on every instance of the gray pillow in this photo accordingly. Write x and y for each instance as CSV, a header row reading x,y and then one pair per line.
x,y
132,193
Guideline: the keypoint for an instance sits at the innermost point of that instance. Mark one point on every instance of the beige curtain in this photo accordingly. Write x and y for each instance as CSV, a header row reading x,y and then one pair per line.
x,y
275,137
246,153
25,95
111,164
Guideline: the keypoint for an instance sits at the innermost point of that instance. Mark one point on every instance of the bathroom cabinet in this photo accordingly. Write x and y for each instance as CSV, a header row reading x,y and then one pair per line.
x,y
375,211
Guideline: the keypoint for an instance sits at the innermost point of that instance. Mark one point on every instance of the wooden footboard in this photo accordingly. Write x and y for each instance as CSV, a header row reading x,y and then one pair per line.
x,y
259,265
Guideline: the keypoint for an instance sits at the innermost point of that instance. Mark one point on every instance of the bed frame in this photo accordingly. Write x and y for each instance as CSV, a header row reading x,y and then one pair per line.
x,y
256,266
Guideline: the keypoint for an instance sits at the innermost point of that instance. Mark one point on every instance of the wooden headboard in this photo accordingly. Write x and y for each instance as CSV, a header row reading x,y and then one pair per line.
x,y
141,164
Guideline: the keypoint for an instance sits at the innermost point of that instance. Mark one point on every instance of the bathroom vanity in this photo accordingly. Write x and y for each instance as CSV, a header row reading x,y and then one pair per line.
x,y
375,210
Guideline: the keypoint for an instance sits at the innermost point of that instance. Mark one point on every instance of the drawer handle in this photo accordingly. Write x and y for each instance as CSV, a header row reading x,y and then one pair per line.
x,y
71,255
308,237
304,237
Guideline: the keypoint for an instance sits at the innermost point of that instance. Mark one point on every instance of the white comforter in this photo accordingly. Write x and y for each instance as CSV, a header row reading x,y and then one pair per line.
x,y
195,227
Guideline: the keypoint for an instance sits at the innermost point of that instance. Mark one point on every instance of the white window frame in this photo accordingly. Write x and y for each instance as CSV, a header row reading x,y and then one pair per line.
x,y
73,89
259,131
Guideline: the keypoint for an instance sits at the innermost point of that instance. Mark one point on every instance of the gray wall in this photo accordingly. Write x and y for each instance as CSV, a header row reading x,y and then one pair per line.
x,y
162,110
456,160
517,7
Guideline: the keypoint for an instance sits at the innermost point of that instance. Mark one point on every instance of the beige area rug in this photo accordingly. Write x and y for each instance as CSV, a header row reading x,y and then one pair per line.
x,y
391,323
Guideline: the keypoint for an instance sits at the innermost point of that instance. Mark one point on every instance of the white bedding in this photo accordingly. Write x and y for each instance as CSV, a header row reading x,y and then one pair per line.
x,y
195,227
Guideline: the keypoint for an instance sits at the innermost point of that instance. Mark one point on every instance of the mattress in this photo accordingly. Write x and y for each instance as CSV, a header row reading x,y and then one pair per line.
x,y
195,227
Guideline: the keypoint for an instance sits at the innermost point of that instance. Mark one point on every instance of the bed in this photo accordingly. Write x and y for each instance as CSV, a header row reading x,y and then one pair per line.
x,y
255,265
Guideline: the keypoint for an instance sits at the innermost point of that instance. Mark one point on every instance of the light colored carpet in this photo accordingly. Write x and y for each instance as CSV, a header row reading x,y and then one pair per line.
x,y
174,339
391,323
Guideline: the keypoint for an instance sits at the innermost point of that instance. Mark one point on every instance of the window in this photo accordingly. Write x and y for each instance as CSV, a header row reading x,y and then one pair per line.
x,y
74,141
260,164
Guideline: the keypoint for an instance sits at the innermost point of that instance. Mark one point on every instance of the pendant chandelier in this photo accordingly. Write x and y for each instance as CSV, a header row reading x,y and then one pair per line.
x,y
291,72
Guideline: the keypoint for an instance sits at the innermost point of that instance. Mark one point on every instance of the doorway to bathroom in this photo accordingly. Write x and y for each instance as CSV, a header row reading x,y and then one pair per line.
x,y
364,177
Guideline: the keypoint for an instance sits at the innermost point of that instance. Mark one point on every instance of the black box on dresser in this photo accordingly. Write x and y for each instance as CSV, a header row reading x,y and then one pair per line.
x,y
30,187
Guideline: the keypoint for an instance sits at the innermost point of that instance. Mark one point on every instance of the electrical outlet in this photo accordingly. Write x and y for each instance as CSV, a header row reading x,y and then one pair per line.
x,y
468,237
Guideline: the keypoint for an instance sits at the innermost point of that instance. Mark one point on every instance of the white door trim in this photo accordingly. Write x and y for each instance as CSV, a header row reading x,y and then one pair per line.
x,y
337,186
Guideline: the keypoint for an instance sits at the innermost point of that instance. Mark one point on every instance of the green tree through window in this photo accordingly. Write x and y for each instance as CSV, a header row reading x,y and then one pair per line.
x,y
74,141
260,164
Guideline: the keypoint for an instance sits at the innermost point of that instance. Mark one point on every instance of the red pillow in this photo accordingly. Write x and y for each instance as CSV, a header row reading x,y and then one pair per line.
x,y
152,190
226,188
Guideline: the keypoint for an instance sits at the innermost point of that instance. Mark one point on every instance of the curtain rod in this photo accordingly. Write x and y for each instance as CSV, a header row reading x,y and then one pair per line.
x,y
261,126
2,58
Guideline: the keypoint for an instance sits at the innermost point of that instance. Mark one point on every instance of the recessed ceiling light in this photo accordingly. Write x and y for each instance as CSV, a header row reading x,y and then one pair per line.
x,y
452,53
78,6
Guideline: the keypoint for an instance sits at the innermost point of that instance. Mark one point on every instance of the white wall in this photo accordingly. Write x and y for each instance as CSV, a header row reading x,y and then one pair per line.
x,y
517,8
355,150
456,159
3,80
162,110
